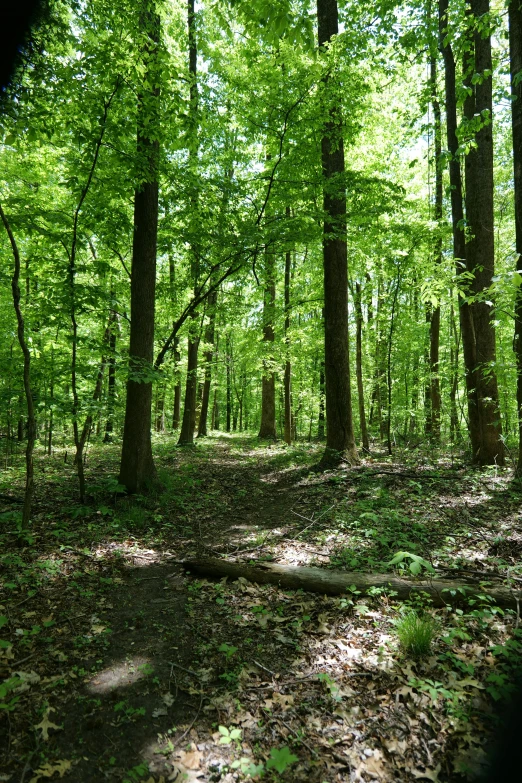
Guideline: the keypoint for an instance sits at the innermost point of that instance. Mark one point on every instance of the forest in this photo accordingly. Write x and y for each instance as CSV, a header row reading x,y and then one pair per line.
x,y
260,391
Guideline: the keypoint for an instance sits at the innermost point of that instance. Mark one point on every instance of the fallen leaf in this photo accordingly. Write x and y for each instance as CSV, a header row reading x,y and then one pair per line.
x,y
284,701
97,628
168,699
48,770
429,774
159,711
45,724
190,759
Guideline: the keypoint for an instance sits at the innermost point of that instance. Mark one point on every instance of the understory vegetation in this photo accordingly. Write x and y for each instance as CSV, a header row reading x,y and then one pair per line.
x,y
122,665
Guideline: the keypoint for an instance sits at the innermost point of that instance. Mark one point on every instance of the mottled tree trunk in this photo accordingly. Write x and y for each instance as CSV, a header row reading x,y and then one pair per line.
x,y
31,417
459,241
480,247
209,357
515,55
288,366
137,466
186,436
435,401
340,438
359,368
267,428
111,383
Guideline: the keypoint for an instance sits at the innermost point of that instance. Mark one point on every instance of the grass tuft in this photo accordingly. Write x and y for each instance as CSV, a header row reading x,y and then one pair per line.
x,y
416,633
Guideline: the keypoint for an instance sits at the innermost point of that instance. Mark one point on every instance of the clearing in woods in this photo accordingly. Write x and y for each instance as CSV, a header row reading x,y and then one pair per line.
x,y
119,665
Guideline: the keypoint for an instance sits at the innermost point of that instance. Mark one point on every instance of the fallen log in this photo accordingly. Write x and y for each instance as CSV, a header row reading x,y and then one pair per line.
x,y
327,582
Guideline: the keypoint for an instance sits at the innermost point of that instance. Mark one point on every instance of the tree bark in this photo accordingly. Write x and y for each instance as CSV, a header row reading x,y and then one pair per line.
x,y
515,56
111,387
459,240
186,436
480,247
267,428
137,468
326,582
31,417
189,407
359,369
228,361
340,438
435,401
321,417
209,357
288,366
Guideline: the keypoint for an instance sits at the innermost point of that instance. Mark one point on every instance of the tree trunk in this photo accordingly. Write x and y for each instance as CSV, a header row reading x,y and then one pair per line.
x,y
137,466
209,357
111,388
31,418
228,360
359,370
515,55
176,414
189,407
267,427
340,438
186,436
288,366
480,247
320,419
437,214
325,582
51,407
459,241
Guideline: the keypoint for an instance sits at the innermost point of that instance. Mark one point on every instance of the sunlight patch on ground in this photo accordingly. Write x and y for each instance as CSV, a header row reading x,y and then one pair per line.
x,y
120,675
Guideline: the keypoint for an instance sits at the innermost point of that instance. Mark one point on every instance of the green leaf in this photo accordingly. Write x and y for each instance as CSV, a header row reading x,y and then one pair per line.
x,y
280,759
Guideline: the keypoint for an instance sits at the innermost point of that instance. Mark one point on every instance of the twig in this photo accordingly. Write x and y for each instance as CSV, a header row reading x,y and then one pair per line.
x,y
188,671
264,668
193,722
312,521
23,660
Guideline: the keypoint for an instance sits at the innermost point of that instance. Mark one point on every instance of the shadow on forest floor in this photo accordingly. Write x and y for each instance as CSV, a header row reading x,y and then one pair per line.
x,y
121,666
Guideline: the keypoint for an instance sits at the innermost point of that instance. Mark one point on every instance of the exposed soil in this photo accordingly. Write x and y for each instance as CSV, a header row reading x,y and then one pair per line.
x,y
123,667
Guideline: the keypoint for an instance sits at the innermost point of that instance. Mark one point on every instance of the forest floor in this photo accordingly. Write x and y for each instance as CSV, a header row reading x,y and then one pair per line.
x,y
119,665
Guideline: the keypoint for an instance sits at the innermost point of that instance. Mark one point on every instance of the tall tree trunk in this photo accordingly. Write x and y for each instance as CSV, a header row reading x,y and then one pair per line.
x,y
437,214
515,56
209,357
31,418
228,360
480,247
359,369
340,438
189,407
176,414
321,417
186,436
267,427
111,386
459,240
454,363
288,366
51,407
137,466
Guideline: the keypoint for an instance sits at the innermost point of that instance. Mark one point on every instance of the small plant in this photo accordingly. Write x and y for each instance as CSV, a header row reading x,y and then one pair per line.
x,y
280,759
416,632
416,564
229,736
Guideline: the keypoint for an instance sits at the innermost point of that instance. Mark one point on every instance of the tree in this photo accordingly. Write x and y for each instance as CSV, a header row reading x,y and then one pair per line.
x,y
515,56
137,466
480,245
340,439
